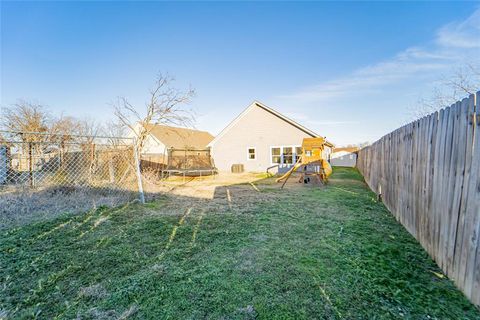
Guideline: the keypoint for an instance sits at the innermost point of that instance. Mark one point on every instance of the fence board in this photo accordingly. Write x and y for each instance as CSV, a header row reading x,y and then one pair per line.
x,y
469,264
452,188
428,175
458,217
446,183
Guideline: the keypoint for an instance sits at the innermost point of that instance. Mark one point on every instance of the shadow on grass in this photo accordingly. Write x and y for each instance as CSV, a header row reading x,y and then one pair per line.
x,y
252,251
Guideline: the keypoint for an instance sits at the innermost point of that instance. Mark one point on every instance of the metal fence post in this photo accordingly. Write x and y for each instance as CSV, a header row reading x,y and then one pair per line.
x,y
139,174
30,165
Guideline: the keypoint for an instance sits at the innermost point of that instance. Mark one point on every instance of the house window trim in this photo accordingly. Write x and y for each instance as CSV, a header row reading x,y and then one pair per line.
x,y
294,154
254,153
271,155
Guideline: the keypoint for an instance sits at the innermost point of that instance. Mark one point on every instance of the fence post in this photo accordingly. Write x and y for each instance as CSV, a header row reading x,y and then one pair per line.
x,y
30,165
92,160
139,174
3,164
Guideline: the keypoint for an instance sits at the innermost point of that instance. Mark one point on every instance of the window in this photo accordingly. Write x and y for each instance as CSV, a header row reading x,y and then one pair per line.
x,y
251,153
287,155
298,153
276,155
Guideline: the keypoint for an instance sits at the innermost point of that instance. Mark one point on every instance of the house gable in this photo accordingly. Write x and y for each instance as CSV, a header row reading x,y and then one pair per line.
x,y
260,128
260,105
151,145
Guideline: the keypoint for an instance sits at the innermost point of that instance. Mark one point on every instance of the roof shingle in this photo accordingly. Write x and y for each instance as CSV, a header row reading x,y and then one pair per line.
x,y
180,138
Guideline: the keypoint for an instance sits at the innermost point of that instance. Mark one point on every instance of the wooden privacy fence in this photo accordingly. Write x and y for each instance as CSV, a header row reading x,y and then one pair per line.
x,y
428,174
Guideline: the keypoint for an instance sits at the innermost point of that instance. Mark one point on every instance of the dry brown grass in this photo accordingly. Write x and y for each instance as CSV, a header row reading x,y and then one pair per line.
x,y
25,206
227,193
238,193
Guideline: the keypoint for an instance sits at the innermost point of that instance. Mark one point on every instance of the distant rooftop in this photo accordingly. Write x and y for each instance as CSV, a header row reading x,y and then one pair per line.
x,y
180,138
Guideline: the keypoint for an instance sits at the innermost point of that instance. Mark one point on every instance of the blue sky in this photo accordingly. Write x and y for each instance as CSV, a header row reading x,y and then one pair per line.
x,y
348,70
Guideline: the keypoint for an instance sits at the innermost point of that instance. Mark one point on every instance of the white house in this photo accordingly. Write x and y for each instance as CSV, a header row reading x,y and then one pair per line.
x,y
162,138
259,138
344,157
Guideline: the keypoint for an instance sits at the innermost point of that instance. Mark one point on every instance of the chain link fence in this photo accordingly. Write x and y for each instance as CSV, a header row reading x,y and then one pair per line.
x,y
73,171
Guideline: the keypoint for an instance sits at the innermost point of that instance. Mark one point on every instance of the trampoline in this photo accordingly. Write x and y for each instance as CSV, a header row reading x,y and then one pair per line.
x,y
189,163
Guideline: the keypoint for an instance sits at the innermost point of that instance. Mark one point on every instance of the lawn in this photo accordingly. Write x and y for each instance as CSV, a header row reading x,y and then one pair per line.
x,y
306,252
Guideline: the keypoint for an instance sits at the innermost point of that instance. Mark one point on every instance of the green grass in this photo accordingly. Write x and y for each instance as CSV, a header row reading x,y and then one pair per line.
x,y
328,253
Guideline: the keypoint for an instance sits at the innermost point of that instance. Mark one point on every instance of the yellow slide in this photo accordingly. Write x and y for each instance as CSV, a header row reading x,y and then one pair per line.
x,y
327,168
297,165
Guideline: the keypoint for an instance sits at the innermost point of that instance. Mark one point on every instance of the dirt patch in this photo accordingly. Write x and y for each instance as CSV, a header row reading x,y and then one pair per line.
x,y
96,291
227,193
248,312
247,261
202,187
98,314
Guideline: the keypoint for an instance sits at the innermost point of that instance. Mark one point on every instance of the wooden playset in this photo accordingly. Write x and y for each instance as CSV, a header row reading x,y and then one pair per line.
x,y
311,161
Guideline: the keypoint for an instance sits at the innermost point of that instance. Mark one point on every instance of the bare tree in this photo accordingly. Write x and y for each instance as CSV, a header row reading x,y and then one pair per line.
x,y
26,120
64,129
115,130
165,106
24,117
87,130
463,81
359,145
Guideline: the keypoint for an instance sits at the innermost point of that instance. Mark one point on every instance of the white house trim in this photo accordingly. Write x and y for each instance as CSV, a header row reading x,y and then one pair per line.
x,y
294,154
254,152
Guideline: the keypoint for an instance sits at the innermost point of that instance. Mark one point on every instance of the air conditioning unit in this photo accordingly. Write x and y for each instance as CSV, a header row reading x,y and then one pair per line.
x,y
237,168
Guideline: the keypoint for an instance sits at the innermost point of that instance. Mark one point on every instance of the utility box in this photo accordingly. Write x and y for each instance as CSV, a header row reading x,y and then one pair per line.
x,y
237,168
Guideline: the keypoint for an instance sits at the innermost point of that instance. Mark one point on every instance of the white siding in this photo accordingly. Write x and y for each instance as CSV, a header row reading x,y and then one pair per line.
x,y
258,129
151,145
344,159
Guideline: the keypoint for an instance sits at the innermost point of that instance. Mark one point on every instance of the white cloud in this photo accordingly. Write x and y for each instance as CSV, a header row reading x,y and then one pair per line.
x,y
369,78
454,43
375,99
304,118
464,34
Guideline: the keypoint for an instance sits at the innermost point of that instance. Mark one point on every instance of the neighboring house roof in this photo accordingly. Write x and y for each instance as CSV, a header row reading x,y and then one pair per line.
x,y
257,104
180,138
347,149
